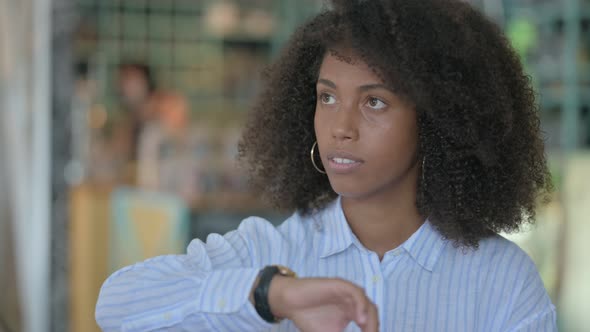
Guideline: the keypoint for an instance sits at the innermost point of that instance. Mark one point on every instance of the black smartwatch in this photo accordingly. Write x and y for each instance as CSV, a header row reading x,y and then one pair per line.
x,y
261,291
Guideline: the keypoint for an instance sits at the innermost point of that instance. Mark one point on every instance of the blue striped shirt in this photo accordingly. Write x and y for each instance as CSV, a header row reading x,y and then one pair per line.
x,y
426,284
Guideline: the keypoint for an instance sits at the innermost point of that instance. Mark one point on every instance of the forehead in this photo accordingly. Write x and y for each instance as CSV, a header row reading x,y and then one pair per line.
x,y
345,65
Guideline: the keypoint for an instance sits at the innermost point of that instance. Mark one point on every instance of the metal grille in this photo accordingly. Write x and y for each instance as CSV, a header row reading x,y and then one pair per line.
x,y
183,42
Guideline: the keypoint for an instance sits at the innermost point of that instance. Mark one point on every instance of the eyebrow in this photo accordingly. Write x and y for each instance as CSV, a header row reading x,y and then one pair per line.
x,y
327,82
362,88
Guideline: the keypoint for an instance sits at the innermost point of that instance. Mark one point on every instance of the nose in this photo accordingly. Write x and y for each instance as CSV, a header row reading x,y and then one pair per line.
x,y
345,124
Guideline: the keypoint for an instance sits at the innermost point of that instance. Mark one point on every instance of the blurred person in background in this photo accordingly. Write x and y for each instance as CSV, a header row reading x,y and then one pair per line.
x,y
135,87
115,145
171,155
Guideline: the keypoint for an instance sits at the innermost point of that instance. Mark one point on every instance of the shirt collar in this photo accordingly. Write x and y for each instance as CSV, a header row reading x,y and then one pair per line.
x,y
336,233
424,246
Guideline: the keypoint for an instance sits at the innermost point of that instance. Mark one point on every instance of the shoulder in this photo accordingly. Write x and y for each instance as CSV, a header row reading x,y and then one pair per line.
x,y
497,261
509,286
502,252
505,260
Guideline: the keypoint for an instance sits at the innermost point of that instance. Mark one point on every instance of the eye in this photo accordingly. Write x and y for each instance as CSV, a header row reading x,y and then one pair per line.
x,y
327,99
376,103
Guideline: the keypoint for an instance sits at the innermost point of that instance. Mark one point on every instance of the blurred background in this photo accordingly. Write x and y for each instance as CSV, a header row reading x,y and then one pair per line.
x,y
118,129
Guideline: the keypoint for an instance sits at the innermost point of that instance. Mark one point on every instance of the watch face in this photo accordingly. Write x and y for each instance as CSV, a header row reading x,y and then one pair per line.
x,y
285,271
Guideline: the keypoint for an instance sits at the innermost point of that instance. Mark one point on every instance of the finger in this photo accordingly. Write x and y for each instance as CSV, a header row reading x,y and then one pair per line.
x,y
355,301
362,310
348,301
361,304
372,324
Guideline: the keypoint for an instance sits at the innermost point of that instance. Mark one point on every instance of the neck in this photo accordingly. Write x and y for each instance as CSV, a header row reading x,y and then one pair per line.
x,y
384,220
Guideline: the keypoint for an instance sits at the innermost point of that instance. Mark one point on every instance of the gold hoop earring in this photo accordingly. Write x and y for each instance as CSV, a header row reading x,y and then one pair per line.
x,y
313,160
423,161
423,182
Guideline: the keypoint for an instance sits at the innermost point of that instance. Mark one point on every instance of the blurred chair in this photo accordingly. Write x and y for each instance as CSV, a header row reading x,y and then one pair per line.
x,y
88,252
146,224
111,228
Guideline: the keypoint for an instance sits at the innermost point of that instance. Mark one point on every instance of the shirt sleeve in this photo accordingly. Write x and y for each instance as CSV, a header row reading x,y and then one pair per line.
x,y
546,322
512,296
206,289
531,308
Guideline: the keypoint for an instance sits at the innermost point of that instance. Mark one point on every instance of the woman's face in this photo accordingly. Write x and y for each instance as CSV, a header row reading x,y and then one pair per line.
x,y
367,135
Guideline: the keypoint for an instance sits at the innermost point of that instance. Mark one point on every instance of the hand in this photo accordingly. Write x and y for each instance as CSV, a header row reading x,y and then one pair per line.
x,y
322,304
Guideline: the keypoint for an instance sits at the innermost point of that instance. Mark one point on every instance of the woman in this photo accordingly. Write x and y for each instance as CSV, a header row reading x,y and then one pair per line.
x,y
405,136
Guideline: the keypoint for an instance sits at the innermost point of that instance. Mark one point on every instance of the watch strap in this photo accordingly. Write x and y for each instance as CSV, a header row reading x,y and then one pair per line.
x,y
261,291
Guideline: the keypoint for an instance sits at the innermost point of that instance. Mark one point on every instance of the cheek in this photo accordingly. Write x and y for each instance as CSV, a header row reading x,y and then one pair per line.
x,y
395,118
392,142
378,121
406,138
319,123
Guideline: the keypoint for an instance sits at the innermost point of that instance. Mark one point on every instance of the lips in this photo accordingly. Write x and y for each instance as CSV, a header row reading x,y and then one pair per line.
x,y
343,162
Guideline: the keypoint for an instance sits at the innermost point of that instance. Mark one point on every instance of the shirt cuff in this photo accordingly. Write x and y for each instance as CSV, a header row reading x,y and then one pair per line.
x,y
227,292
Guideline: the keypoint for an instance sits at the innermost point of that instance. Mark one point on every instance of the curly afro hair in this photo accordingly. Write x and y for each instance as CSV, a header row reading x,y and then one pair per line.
x,y
484,167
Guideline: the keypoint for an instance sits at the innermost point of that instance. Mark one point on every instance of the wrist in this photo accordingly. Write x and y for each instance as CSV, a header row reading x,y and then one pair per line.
x,y
268,277
276,296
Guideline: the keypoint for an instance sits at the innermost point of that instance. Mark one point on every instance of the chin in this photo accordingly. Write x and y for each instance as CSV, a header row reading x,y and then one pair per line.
x,y
349,190
360,189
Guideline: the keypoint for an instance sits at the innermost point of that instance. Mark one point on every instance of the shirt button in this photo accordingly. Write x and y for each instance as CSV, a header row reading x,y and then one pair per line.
x,y
375,279
221,304
167,316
